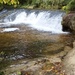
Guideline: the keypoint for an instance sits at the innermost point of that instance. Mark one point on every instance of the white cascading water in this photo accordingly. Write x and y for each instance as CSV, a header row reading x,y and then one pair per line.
x,y
44,20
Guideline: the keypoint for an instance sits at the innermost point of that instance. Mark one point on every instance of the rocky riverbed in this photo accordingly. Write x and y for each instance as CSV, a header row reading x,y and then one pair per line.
x,y
38,66
38,49
31,52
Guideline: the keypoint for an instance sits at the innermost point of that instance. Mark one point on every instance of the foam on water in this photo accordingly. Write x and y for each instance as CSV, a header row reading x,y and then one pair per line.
x,y
9,29
43,20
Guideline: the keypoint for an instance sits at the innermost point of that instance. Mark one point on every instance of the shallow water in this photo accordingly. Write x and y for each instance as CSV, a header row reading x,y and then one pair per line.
x,y
30,42
22,41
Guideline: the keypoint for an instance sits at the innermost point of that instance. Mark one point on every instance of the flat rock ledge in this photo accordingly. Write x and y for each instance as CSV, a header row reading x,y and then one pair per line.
x,y
40,66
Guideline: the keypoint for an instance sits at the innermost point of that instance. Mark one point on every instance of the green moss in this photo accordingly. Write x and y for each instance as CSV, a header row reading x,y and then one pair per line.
x,y
4,64
2,73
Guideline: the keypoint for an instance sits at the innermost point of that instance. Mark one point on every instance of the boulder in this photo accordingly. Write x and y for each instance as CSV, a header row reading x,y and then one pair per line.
x,y
69,62
68,22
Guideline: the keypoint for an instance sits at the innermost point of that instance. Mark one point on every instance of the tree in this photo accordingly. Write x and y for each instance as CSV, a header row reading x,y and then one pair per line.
x,y
9,2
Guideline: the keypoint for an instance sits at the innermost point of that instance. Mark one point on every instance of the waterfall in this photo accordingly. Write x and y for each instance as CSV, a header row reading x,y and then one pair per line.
x,y
37,19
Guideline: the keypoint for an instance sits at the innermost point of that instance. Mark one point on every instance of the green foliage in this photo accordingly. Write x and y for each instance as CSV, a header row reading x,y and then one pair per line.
x,y
65,2
51,4
9,2
71,6
48,4
2,73
64,8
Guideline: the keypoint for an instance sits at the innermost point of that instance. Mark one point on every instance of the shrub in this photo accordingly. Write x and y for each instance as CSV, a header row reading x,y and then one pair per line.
x,y
71,6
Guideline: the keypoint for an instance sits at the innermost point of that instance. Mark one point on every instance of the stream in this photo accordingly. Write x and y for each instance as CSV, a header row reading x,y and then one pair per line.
x,y
31,33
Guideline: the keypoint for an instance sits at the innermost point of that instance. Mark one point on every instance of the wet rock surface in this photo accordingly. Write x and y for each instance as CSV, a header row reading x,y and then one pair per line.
x,y
38,66
68,22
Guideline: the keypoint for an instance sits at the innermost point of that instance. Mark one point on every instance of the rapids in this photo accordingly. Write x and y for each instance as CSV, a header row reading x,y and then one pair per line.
x,y
41,20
